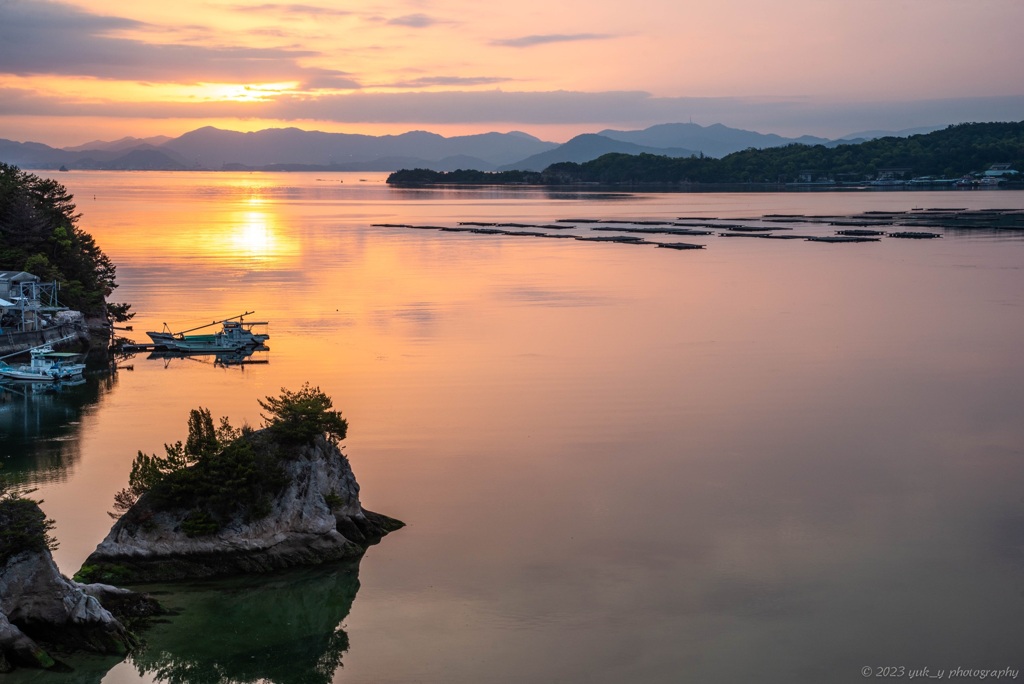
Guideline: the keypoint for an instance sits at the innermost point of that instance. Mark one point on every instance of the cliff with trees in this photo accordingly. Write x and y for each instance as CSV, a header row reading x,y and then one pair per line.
x,y
39,234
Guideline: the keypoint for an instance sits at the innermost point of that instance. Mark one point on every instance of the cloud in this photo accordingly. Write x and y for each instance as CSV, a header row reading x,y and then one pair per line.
x,y
292,9
20,102
55,38
457,81
441,107
622,109
413,20
530,41
325,79
465,106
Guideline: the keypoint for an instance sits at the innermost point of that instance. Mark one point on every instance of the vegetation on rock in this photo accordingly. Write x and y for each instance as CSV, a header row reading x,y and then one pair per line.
x,y
222,473
216,474
296,417
23,526
39,234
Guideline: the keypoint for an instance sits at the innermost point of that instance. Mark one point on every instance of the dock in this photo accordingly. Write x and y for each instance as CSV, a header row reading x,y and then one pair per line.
x,y
133,348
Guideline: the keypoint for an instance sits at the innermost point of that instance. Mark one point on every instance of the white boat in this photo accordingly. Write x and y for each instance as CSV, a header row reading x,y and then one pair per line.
x,y
45,365
235,334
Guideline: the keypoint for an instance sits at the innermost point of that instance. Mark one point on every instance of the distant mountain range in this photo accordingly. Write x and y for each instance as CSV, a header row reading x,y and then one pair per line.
x,y
713,141
589,146
292,149
122,144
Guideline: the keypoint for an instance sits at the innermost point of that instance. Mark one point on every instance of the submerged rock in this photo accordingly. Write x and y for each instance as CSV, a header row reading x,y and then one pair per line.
x,y
316,517
17,649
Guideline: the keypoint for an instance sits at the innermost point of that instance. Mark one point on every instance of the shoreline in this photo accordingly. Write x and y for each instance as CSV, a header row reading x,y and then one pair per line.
x,y
21,341
718,187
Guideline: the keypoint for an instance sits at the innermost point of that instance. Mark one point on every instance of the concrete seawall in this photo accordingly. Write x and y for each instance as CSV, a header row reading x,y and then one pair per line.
x,y
70,324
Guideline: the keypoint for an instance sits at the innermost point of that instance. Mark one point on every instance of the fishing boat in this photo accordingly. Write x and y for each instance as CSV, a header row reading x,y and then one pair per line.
x,y
236,333
45,365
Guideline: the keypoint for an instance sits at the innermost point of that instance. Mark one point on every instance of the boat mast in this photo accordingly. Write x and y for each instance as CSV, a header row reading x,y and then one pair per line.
x,y
207,325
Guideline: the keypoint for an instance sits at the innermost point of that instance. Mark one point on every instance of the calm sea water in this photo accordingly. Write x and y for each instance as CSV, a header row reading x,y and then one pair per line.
x,y
772,461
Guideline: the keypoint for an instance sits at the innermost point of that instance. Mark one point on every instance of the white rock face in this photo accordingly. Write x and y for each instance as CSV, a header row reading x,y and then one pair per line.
x,y
32,590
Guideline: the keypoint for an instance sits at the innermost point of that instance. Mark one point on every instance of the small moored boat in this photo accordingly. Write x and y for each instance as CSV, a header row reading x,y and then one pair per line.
x,y
235,334
45,365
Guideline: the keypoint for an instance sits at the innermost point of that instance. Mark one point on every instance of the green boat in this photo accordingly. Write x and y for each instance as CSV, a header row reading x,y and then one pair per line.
x,y
235,334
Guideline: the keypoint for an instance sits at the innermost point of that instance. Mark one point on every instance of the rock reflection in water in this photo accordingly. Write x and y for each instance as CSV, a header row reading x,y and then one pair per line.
x,y
281,628
40,426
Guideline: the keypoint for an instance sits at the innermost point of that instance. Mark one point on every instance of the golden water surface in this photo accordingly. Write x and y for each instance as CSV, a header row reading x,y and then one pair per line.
x,y
772,461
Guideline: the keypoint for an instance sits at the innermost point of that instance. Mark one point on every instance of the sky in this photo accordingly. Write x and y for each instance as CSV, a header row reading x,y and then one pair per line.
x,y
73,72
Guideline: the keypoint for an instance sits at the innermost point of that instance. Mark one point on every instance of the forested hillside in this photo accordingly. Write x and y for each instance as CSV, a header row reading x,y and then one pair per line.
x,y
949,153
39,234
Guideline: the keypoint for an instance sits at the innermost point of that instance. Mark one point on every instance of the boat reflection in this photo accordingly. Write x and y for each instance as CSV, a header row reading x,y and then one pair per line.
x,y
238,358
40,424
283,628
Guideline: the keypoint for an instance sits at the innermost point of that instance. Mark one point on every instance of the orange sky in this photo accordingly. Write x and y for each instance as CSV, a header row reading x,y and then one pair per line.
x,y
71,72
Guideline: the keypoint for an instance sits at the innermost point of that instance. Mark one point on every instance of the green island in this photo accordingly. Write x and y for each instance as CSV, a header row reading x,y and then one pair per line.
x,y
964,154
